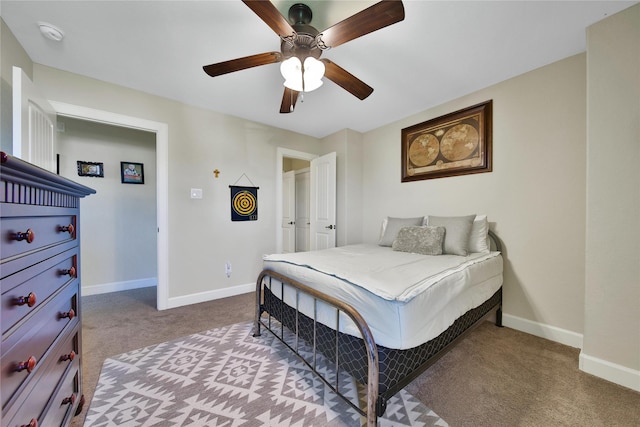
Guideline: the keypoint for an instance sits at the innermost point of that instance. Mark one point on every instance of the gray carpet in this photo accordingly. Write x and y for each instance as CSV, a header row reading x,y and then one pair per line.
x,y
496,377
227,377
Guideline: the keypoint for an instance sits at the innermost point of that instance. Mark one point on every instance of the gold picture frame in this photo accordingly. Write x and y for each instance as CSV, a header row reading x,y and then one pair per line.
x,y
458,143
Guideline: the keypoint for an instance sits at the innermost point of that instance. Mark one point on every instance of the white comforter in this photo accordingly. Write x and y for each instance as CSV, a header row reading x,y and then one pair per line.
x,y
406,299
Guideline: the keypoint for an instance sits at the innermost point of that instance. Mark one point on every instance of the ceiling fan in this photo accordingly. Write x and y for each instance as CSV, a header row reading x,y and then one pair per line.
x,y
301,47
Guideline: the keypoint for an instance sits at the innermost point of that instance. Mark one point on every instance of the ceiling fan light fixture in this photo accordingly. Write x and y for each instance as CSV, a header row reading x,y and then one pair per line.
x,y
293,71
313,73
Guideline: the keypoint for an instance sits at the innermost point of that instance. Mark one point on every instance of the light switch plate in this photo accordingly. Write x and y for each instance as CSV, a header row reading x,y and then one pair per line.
x,y
196,193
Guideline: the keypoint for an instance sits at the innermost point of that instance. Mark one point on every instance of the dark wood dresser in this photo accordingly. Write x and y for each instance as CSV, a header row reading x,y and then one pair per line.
x,y
41,381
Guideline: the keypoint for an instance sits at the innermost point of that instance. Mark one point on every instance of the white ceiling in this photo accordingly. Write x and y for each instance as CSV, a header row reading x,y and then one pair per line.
x,y
442,50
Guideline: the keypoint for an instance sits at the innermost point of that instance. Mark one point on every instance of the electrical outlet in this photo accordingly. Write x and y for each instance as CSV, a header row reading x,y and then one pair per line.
x,y
227,268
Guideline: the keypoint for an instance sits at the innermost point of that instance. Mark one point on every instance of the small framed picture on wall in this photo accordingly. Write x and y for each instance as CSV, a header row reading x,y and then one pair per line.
x,y
132,173
94,169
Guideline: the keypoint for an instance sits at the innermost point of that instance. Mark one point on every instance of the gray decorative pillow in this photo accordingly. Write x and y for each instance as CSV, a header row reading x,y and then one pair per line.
x,y
391,226
420,240
456,238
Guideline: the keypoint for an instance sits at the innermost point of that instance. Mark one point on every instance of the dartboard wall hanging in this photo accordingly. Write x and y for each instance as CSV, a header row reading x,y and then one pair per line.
x,y
244,203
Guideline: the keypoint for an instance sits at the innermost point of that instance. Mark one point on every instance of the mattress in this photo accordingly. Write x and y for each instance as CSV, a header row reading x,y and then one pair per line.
x,y
406,299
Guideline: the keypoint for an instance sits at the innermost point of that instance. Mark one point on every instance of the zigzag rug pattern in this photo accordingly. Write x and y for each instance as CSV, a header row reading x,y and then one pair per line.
x,y
227,377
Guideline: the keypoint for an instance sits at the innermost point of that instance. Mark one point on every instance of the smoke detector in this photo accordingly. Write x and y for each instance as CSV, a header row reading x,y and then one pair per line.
x,y
51,31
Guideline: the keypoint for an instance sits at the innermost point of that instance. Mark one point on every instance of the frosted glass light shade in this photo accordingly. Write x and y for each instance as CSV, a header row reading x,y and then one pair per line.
x,y
292,68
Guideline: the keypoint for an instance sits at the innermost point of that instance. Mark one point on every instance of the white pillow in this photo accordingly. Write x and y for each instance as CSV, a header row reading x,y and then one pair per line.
x,y
391,226
479,237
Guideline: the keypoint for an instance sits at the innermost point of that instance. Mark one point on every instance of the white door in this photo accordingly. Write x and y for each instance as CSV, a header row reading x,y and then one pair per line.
x,y
288,212
34,124
302,210
323,202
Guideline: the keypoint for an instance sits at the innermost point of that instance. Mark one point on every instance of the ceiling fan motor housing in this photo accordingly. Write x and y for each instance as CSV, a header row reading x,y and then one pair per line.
x,y
303,44
300,13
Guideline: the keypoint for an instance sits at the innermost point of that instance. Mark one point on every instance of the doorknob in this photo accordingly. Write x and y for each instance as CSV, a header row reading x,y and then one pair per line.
x,y
291,222
330,227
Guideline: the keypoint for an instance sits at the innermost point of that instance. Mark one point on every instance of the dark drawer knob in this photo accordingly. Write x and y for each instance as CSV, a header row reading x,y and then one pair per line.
x,y
32,423
69,400
68,357
29,300
70,314
28,364
28,235
71,272
68,228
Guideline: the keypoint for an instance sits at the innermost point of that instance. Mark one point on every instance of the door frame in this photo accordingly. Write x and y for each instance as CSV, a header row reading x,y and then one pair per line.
x,y
281,153
161,130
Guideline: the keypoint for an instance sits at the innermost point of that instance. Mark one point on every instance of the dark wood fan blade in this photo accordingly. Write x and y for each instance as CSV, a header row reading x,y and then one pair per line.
x,y
242,63
373,18
346,80
289,99
270,15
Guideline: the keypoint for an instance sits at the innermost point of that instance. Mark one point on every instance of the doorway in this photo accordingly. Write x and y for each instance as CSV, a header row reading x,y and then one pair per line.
x,y
283,157
161,132
119,232
322,194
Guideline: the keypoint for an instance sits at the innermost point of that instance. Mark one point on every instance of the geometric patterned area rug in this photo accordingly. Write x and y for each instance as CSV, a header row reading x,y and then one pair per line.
x,y
227,377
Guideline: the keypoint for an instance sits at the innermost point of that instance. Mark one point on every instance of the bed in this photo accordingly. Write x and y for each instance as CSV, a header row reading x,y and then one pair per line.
x,y
384,312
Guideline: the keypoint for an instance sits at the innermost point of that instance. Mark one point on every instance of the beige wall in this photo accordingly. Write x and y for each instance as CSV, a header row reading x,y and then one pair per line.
x,y
201,235
612,298
534,198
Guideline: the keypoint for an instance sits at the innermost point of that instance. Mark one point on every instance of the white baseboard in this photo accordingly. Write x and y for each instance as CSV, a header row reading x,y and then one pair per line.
x,y
606,370
211,295
609,371
542,330
119,286
173,302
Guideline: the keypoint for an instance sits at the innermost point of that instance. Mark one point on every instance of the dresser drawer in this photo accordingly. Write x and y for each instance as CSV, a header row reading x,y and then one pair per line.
x,y
24,348
60,379
39,228
25,291
62,405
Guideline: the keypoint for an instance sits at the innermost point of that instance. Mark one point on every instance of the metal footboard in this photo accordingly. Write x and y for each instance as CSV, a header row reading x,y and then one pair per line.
x,y
265,279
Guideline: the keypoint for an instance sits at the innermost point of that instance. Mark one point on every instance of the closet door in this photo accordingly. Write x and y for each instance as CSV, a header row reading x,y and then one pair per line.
x,y
34,124
323,202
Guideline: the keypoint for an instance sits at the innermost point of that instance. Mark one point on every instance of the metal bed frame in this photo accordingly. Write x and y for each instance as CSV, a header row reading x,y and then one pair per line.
x,y
359,357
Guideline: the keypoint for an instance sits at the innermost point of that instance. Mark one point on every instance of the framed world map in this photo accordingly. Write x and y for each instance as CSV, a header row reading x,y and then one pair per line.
x,y
458,143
